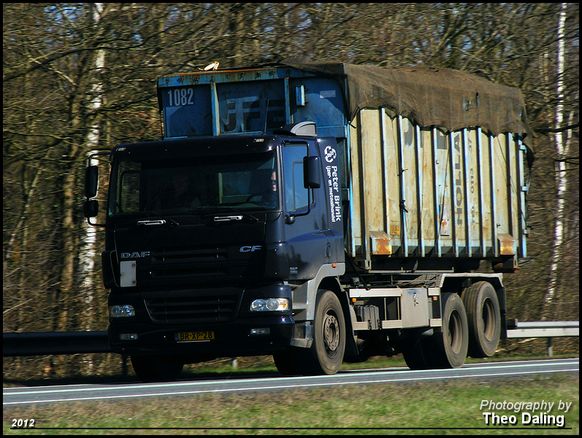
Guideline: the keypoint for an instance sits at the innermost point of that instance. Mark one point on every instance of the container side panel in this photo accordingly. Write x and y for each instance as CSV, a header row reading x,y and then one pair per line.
x,y
486,194
493,200
434,133
427,204
466,153
459,192
444,192
392,182
501,184
355,223
473,191
410,185
386,199
514,187
463,188
371,138
419,187
522,204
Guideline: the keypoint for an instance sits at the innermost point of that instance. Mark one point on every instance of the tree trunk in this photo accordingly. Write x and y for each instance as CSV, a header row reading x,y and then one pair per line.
x,y
87,253
561,174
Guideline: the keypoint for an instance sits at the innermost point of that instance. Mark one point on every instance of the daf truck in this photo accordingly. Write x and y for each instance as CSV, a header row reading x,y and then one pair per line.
x,y
318,213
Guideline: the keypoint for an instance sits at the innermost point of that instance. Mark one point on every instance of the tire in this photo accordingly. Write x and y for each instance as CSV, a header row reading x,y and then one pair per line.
x,y
156,368
448,347
414,351
484,318
325,356
329,337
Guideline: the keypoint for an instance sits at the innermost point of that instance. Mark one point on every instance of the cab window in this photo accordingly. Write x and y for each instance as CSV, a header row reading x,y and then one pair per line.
x,y
296,195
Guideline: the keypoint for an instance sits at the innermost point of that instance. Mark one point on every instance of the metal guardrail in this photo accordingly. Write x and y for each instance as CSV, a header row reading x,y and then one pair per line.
x,y
45,343
542,329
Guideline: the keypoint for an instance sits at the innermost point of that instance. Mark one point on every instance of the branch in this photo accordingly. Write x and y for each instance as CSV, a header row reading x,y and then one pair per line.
x,y
569,160
560,129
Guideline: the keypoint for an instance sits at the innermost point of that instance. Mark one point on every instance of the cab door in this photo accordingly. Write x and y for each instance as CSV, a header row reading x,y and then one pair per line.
x,y
306,225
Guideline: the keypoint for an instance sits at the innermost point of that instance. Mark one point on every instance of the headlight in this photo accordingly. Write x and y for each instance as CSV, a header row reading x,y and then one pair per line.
x,y
122,311
270,305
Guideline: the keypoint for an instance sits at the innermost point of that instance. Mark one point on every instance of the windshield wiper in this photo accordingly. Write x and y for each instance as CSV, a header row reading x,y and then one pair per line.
x,y
228,218
238,217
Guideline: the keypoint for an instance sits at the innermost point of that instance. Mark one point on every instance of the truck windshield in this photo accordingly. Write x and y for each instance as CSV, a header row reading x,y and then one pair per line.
x,y
245,182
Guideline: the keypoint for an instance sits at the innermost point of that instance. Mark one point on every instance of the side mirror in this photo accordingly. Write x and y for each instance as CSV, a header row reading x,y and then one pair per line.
x,y
311,172
91,208
91,181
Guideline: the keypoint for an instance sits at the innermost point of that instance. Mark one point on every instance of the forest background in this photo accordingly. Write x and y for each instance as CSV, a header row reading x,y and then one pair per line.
x,y
80,76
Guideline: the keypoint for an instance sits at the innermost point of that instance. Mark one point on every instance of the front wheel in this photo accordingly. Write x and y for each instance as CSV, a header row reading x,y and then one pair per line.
x,y
325,356
329,343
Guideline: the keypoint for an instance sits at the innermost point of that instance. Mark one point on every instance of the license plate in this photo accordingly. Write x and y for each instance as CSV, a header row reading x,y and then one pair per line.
x,y
203,336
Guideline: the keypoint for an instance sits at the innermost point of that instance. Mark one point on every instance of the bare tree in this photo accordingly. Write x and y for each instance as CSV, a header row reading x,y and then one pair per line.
x,y
78,76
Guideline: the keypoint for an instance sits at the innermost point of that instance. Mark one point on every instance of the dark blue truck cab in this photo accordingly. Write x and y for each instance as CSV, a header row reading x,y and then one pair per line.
x,y
216,273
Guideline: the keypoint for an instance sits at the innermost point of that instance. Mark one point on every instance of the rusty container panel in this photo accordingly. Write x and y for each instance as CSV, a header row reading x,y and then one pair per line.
x,y
427,204
443,182
473,190
501,184
418,192
355,230
390,154
371,162
513,186
486,195
410,186
458,194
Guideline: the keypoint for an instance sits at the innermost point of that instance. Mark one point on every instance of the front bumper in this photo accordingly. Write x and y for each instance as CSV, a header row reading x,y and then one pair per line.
x,y
149,334
230,339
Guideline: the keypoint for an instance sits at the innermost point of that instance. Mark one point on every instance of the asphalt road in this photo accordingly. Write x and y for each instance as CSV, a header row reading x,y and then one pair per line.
x,y
66,393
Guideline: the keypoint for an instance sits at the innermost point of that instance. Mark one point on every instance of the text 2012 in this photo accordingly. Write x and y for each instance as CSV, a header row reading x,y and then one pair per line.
x,y
22,423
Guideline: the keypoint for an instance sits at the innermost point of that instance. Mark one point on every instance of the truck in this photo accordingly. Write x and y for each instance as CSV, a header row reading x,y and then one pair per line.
x,y
316,212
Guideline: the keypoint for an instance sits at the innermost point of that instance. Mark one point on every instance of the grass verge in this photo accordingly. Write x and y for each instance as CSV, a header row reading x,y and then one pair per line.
x,y
448,407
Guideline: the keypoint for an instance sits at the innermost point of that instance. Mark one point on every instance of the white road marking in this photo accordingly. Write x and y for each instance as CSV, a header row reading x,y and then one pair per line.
x,y
259,388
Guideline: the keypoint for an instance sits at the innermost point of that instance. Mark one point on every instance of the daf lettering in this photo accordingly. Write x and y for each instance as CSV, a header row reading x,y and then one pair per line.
x,y
134,254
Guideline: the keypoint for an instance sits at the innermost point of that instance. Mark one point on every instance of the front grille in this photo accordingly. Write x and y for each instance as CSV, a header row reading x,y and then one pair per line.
x,y
193,307
190,263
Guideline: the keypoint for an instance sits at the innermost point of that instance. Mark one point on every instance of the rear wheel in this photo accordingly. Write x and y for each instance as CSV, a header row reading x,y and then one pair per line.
x,y
156,368
414,351
448,347
484,319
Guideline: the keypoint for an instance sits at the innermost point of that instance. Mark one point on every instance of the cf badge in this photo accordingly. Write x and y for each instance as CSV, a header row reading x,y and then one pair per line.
x,y
250,248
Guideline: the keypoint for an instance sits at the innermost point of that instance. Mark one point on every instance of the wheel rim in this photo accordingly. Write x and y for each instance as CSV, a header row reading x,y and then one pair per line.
x,y
488,317
455,340
331,333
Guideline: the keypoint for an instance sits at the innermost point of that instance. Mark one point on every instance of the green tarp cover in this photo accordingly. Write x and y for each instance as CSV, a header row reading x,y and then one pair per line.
x,y
442,97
